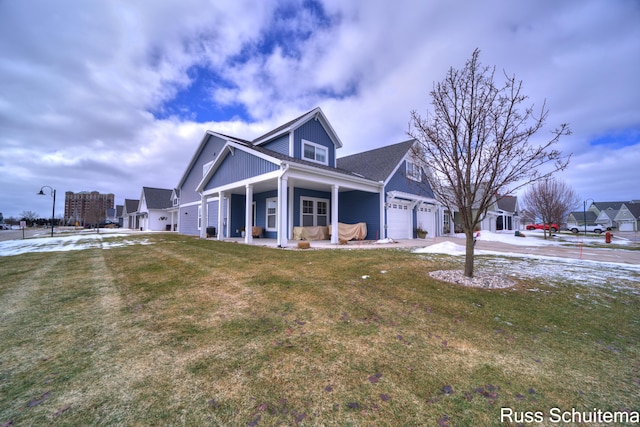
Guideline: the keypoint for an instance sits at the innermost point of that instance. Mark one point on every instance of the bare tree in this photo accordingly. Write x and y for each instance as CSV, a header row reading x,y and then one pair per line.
x,y
551,200
476,141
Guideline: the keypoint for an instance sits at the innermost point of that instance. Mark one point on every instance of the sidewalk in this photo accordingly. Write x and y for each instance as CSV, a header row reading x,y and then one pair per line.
x,y
571,251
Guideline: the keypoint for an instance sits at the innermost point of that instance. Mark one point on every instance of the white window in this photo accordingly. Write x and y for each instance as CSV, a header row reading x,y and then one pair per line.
x,y
272,211
314,212
413,171
199,217
314,152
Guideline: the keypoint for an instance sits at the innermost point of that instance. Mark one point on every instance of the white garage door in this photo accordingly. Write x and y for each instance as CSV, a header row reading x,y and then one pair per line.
x,y
626,226
399,221
426,219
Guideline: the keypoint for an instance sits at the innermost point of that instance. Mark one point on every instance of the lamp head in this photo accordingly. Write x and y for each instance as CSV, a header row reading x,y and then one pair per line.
x,y
41,193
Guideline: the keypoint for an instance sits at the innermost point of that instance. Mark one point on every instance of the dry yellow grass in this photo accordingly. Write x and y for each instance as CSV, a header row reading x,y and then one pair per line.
x,y
196,332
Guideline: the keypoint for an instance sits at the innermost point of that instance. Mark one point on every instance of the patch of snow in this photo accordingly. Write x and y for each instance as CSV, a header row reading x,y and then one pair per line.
x,y
385,241
72,242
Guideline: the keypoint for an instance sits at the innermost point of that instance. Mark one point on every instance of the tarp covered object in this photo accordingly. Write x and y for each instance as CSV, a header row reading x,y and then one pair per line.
x,y
310,233
351,231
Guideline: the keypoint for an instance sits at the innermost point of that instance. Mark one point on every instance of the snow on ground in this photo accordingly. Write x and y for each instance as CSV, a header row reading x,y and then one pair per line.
x,y
549,269
72,242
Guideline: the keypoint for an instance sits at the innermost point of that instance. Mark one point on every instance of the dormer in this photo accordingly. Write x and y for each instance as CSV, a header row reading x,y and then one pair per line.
x,y
309,137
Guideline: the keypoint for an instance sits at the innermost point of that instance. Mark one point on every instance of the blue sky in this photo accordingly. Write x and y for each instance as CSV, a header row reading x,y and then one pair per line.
x,y
113,96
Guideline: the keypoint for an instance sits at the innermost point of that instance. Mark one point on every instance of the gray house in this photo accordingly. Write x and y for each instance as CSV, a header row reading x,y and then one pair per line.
x,y
290,180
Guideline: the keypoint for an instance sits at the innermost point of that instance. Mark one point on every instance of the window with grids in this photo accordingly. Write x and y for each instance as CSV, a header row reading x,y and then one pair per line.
x,y
413,171
272,211
314,212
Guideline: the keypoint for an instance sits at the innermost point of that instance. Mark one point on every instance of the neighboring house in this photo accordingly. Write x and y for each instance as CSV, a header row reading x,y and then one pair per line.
x,y
578,217
118,218
130,214
628,217
503,215
291,177
153,209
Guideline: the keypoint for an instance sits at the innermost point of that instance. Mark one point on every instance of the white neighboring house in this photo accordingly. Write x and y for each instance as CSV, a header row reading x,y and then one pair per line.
x,y
502,215
130,214
153,209
628,217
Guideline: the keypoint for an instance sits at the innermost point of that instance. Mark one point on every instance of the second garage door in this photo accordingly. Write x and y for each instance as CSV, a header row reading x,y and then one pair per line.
x,y
399,221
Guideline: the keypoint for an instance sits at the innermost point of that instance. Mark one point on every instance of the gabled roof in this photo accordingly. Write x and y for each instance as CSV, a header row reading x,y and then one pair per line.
x,y
377,164
601,206
507,203
201,146
634,208
580,216
291,125
157,198
131,205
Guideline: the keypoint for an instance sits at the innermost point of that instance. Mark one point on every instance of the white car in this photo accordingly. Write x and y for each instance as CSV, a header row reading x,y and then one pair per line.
x,y
591,228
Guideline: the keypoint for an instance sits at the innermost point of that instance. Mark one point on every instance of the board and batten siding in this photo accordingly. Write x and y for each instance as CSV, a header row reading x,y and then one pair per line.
x,y
360,206
279,145
189,220
211,149
314,132
399,182
238,166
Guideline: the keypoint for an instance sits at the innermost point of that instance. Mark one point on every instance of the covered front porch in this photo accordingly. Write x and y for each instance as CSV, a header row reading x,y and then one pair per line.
x,y
270,205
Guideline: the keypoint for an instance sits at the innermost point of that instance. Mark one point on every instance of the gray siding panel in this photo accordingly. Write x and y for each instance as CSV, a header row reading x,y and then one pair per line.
x,y
399,182
189,220
280,145
211,149
239,166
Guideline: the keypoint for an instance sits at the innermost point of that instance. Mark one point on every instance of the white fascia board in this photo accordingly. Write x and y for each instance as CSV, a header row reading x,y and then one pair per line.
x,y
413,197
332,178
407,156
185,205
243,183
229,148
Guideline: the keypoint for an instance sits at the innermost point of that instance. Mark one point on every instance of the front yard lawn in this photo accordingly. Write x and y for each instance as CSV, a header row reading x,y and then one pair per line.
x,y
184,331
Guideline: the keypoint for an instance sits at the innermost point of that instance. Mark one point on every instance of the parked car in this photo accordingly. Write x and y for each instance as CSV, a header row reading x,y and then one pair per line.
x,y
553,227
591,228
5,226
109,224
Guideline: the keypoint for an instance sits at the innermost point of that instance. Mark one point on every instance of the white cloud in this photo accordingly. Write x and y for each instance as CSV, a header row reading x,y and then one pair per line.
x,y
78,80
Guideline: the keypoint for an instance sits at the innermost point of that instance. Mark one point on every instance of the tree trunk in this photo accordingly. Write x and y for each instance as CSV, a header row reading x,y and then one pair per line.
x,y
468,259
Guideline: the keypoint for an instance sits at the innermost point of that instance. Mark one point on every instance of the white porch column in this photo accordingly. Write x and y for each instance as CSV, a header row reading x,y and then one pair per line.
x,y
248,213
203,216
281,212
383,228
221,213
334,214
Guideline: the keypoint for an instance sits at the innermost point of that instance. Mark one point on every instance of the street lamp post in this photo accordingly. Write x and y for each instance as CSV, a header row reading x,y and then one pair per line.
x,y
53,212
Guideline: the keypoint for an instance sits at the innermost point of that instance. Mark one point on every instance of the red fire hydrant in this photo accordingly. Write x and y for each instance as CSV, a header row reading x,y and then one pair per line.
x,y
607,237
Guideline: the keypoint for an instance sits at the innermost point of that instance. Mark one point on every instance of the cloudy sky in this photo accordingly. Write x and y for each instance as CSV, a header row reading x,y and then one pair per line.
x,y
116,95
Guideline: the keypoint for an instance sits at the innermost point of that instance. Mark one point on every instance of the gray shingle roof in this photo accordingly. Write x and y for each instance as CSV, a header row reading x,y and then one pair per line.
x,y
157,198
376,164
507,203
131,205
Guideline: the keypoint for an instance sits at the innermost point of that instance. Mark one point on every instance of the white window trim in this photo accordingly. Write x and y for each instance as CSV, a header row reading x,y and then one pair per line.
x,y
199,217
416,175
316,147
275,214
315,201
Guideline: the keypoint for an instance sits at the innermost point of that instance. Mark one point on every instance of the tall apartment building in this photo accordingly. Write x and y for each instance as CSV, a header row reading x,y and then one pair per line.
x,y
86,207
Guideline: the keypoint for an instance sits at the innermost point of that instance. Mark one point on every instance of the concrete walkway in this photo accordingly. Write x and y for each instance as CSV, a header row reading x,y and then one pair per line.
x,y
616,253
